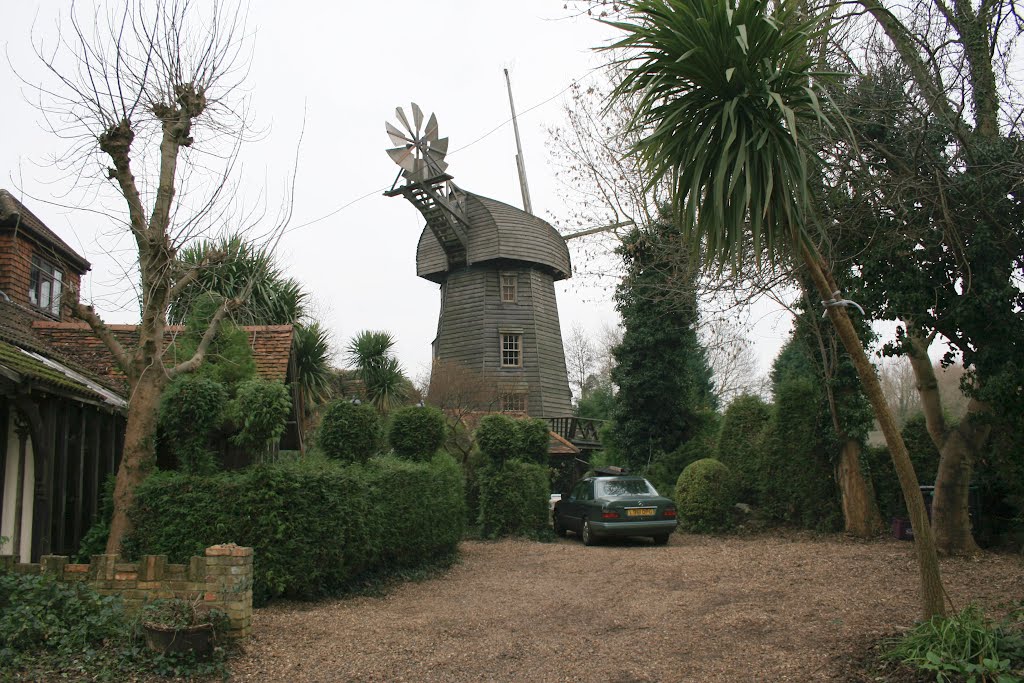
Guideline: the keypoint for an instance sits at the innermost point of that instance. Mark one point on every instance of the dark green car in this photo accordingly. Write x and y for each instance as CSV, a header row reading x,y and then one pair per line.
x,y
601,507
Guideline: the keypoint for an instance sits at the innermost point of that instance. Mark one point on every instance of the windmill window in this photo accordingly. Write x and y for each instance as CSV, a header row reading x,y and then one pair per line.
x,y
509,284
511,350
513,402
44,286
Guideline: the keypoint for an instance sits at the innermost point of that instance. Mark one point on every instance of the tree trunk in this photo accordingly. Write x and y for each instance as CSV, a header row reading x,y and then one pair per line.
x,y
859,509
957,448
138,458
951,519
932,592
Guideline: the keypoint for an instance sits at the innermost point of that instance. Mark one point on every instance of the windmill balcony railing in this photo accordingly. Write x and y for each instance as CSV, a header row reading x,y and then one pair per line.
x,y
581,431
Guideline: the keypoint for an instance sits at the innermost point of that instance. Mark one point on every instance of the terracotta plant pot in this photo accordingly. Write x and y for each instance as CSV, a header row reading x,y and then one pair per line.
x,y
165,639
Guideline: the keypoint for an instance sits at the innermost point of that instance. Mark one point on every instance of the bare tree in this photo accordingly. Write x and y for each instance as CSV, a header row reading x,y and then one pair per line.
x,y
732,359
900,387
463,395
149,94
580,358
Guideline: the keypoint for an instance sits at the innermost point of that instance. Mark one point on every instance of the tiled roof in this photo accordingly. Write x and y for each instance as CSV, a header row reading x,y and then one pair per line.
x,y
271,346
29,357
15,214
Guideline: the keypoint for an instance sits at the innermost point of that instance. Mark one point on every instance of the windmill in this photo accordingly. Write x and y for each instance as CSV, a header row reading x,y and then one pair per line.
x,y
496,266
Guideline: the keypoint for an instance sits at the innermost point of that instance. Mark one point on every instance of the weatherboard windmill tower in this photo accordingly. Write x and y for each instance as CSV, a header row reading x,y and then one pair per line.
x,y
497,267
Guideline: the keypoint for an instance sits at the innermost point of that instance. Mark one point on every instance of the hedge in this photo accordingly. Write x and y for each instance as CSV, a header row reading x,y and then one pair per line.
x,y
317,527
513,499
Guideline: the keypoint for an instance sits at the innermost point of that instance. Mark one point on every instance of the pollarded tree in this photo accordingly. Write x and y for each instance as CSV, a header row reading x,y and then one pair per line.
x,y
145,89
727,94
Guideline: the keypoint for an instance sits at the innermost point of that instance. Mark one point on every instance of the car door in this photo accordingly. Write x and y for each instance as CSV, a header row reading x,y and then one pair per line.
x,y
569,509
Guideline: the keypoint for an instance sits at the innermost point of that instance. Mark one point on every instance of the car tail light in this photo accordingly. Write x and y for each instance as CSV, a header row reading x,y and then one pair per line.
x,y
669,512
609,515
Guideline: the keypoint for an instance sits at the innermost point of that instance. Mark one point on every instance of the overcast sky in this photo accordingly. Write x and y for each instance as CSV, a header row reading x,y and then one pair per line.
x,y
345,67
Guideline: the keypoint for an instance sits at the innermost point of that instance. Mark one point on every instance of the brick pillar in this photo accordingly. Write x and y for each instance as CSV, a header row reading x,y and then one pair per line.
x,y
229,585
53,565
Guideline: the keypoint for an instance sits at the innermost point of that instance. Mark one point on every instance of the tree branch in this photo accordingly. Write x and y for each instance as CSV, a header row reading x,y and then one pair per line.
x,y
212,258
197,359
99,328
927,386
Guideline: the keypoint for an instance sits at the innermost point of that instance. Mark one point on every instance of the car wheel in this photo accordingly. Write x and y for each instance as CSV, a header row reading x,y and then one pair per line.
x,y
559,527
587,534
661,539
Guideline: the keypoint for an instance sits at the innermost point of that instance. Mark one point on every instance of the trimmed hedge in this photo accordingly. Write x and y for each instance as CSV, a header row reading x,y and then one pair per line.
x,y
317,527
513,499
349,432
705,496
416,433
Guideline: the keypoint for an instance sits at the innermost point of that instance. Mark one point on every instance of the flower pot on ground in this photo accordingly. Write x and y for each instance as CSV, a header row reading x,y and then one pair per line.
x,y
177,625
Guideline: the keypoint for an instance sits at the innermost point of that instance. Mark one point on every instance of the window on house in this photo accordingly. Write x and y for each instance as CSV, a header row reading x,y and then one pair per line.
x,y
44,286
511,350
508,288
513,402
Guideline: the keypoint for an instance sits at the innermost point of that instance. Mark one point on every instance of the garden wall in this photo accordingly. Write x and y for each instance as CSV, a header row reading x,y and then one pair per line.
x,y
223,578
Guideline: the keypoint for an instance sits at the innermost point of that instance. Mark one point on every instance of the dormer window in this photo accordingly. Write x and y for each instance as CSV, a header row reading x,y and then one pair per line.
x,y
44,286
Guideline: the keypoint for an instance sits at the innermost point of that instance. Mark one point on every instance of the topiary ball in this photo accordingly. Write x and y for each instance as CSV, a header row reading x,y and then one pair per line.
x,y
416,433
535,439
498,438
705,496
349,432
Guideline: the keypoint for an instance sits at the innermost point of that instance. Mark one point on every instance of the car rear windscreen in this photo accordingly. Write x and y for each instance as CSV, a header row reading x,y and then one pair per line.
x,y
626,487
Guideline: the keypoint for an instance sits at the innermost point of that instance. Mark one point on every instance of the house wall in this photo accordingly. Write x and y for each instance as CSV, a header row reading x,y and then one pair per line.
x,y
16,253
222,579
64,475
9,493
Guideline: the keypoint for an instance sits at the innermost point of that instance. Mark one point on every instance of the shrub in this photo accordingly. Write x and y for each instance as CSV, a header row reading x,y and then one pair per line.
x,y
796,477
963,646
665,468
498,438
190,408
705,495
51,630
535,439
349,432
739,443
260,411
416,433
513,499
317,527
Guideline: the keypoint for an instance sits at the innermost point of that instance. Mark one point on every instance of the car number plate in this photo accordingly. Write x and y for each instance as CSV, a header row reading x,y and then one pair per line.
x,y
641,512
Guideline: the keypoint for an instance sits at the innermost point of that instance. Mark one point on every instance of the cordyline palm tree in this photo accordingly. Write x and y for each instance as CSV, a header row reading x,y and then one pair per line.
x,y
274,299
724,88
386,385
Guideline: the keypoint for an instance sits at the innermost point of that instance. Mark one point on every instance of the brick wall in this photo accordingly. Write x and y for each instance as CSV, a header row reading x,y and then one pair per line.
x,y
223,577
16,267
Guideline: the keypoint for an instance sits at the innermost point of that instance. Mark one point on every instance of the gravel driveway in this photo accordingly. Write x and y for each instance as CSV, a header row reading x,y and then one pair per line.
x,y
764,608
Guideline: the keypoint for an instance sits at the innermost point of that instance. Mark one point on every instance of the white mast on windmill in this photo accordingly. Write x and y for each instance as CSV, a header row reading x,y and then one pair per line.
x,y
525,187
